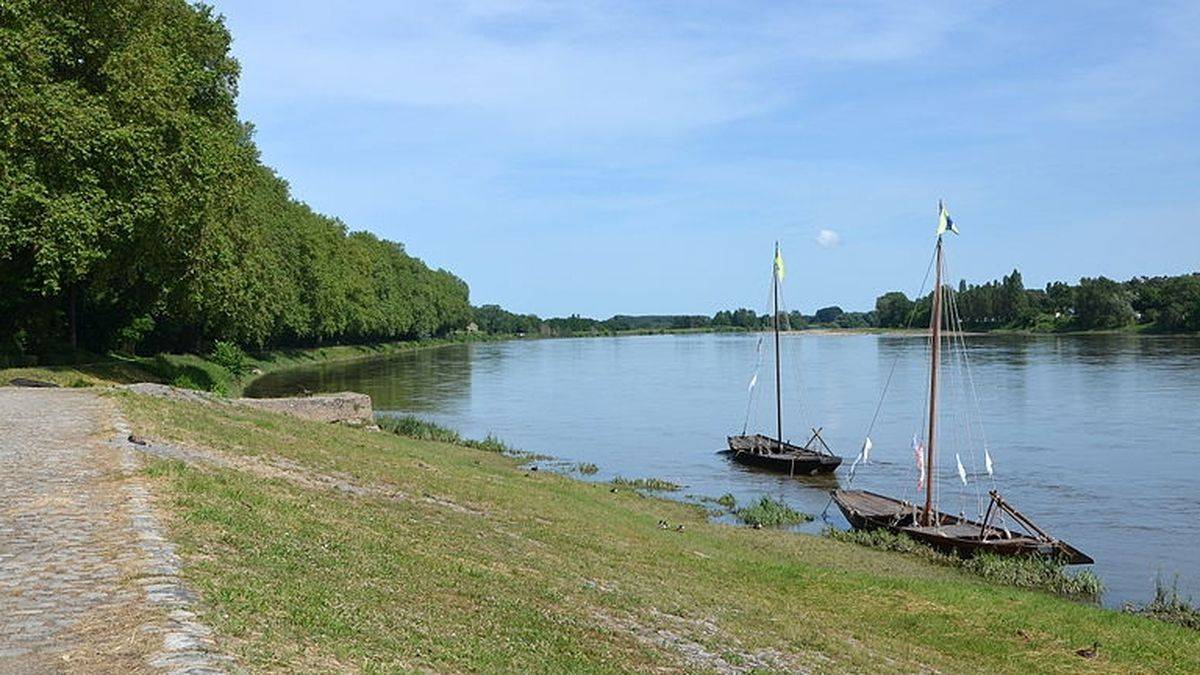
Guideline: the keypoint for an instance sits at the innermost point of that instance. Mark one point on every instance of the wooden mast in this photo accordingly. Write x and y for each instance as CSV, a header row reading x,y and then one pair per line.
x,y
778,389
935,358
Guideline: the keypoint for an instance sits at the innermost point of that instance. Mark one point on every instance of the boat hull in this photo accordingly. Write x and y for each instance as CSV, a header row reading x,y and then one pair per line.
x,y
952,535
763,453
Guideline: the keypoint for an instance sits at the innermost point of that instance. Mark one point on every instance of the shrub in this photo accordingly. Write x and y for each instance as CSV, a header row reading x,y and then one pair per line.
x,y
768,511
230,357
587,468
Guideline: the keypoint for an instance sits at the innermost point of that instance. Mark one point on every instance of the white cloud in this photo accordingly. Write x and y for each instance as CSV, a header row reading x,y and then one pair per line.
x,y
828,239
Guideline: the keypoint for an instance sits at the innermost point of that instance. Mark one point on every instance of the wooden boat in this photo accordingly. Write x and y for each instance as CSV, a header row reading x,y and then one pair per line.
x,y
776,454
952,534
768,453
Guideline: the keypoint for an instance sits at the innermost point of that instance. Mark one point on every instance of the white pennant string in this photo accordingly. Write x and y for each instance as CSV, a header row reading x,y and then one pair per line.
x,y
866,449
753,381
987,460
962,472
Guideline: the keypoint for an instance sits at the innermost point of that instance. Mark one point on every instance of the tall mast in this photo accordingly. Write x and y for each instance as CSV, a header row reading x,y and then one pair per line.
x,y
778,389
935,358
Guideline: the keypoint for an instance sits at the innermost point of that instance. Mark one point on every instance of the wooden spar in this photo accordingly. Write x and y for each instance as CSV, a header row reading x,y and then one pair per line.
x,y
935,358
1020,517
778,389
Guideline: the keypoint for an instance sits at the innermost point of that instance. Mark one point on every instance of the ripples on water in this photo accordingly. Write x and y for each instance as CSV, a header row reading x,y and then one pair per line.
x,y
1095,437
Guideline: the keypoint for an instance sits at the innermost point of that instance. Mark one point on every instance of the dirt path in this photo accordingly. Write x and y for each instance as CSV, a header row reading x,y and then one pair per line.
x,y
87,580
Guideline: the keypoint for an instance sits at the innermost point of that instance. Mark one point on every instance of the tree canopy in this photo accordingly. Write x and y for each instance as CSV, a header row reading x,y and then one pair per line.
x,y
134,207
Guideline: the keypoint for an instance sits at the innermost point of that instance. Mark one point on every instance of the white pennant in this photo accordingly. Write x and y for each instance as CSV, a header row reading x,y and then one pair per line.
x,y
866,450
987,460
920,454
753,381
962,473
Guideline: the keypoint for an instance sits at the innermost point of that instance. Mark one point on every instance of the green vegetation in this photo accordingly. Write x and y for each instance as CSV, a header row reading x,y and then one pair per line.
x,y
587,468
646,484
417,428
1152,304
462,561
136,215
770,512
205,373
1168,606
1032,572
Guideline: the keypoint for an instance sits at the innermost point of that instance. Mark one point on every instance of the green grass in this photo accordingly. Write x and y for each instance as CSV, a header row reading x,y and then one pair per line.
x,y
479,565
646,484
1032,572
770,512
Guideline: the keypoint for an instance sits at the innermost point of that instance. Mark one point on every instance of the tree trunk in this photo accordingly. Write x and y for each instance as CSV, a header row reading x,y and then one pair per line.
x,y
71,314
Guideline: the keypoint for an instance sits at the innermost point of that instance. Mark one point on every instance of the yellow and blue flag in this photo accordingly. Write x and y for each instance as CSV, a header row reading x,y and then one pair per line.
x,y
944,220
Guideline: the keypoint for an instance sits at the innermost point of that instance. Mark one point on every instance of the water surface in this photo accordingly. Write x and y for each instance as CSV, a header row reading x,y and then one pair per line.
x,y
1095,437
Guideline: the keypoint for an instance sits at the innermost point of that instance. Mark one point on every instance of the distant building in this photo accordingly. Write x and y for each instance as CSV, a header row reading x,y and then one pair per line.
x,y
472,327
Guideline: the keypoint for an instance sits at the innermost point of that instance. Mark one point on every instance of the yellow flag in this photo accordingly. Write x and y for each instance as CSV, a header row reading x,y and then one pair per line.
x,y
778,263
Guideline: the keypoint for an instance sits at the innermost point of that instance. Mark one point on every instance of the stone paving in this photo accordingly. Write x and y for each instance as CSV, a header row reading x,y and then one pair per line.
x,y
88,582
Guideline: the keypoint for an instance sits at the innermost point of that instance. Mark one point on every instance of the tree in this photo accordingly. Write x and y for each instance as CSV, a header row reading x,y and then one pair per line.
x,y
827,314
893,310
1102,303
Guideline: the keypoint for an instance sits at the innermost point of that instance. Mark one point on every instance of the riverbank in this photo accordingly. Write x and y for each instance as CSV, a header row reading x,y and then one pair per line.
x,y
322,547
202,372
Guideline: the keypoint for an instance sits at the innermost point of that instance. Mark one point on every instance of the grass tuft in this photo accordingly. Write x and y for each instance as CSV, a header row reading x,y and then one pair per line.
x,y
646,484
415,427
768,512
1034,572
587,468
1168,606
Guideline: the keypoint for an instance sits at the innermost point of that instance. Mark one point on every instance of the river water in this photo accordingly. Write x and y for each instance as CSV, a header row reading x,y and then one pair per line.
x,y
1097,438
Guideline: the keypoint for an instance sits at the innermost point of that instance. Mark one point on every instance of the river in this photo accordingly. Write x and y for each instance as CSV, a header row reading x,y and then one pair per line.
x,y
1097,438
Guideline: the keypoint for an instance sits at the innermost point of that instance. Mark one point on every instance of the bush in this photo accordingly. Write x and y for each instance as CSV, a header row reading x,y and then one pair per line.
x,y
230,357
587,468
768,512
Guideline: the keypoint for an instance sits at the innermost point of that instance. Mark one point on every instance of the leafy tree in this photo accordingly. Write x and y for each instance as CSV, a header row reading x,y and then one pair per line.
x,y
1102,303
893,309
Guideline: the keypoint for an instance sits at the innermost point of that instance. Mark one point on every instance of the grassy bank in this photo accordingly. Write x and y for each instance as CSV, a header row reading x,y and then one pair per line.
x,y
202,372
452,558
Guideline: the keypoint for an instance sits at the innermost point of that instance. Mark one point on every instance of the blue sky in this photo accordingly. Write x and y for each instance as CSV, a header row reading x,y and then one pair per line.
x,y
642,157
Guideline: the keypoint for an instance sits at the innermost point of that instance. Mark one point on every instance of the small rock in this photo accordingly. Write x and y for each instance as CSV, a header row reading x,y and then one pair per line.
x,y
679,528
136,440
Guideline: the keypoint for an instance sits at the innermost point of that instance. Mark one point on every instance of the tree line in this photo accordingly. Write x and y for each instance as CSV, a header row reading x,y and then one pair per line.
x,y
1169,304
135,211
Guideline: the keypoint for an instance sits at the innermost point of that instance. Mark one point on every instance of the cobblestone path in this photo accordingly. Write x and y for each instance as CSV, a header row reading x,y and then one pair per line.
x,y
87,580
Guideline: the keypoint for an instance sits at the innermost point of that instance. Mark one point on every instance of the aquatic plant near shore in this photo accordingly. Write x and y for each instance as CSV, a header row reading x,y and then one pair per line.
x,y
1034,572
646,484
768,511
587,468
415,427
1168,606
